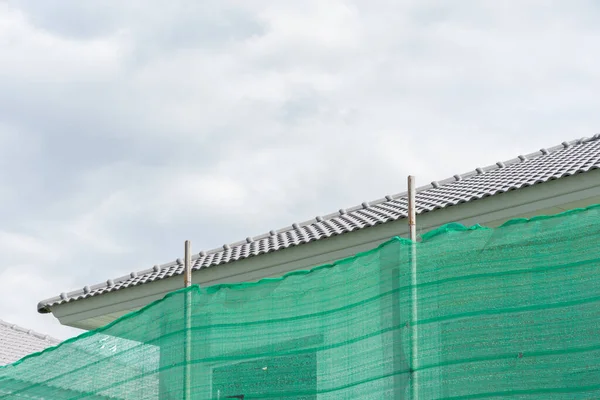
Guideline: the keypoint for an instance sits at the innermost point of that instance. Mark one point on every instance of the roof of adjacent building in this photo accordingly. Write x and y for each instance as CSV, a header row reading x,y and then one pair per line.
x,y
568,158
17,342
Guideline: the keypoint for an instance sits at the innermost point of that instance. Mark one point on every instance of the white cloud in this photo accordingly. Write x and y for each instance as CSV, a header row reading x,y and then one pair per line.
x,y
25,247
41,57
127,128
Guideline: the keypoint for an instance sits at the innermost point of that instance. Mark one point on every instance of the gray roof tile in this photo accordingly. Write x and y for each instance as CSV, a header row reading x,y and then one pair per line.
x,y
17,342
566,159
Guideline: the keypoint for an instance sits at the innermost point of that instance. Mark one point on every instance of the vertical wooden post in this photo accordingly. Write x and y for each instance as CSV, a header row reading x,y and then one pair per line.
x,y
412,227
412,213
187,277
187,280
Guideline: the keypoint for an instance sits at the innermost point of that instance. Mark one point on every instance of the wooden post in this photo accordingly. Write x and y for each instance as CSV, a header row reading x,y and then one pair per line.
x,y
187,276
187,280
412,227
412,214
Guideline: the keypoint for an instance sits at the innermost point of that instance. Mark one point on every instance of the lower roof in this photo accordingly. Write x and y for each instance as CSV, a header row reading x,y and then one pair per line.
x,y
17,342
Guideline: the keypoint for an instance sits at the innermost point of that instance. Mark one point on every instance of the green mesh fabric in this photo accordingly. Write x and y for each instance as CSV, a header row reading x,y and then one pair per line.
x,y
506,312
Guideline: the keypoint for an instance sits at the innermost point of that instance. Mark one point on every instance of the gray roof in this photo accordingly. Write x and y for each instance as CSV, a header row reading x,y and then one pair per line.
x,y
566,159
17,342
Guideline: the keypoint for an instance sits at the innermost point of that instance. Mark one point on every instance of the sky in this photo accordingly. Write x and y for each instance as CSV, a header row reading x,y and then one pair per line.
x,y
128,127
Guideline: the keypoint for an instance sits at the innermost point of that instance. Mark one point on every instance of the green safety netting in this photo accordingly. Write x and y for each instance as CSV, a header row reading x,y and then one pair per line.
x,y
512,311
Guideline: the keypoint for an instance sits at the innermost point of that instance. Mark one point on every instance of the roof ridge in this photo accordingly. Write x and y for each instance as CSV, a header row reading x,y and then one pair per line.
x,y
29,332
479,170
543,152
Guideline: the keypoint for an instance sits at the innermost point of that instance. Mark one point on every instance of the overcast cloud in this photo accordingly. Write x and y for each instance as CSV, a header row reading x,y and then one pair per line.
x,y
128,127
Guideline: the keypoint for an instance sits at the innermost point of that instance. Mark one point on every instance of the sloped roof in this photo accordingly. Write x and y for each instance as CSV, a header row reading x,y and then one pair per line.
x,y
17,342
566,159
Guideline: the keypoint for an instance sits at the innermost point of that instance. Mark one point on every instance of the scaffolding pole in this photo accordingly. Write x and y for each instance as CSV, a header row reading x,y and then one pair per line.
x,y
187,281
412,228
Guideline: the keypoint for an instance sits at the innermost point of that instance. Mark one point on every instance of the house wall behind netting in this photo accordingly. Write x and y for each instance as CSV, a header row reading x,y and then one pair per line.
x,y
506,311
